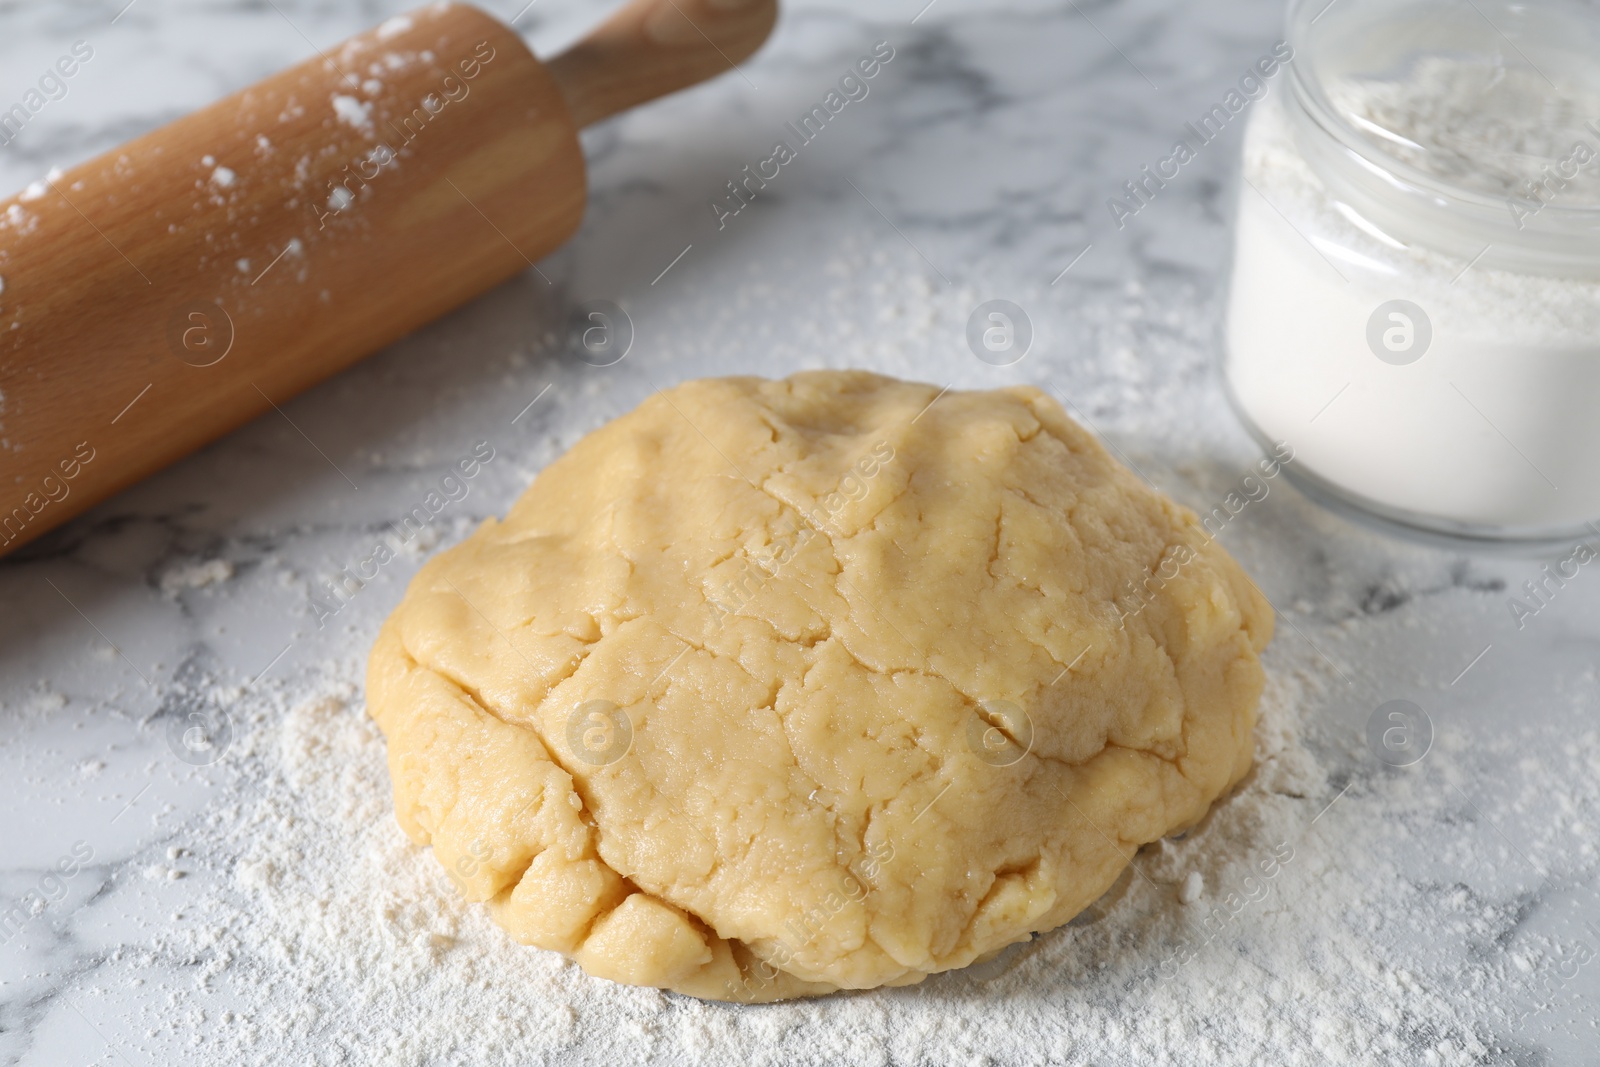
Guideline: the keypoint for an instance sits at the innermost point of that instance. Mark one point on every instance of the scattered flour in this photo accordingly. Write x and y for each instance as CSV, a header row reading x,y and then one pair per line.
x,y
194,574
1342,912
1192,888
324,936
46,699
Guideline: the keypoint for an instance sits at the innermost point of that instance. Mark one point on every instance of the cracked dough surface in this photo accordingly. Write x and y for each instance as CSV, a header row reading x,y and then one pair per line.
x,y
772,688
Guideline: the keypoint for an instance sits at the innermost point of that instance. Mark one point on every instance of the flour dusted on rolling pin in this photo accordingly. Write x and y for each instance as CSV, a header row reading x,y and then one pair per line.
x,y
277,236
182,284
398,133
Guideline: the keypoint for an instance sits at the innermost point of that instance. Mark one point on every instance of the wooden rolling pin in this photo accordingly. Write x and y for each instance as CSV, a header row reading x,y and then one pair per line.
x,y
174,288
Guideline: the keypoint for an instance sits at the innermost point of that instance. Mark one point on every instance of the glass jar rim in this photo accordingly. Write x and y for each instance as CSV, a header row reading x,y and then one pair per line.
x,y
1313,98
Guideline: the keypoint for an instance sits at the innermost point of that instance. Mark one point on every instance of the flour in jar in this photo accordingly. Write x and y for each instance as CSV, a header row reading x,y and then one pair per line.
x,y
1423,383
1495,129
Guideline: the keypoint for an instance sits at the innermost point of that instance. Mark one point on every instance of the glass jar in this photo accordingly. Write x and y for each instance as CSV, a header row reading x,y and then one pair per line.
x,y
1414,304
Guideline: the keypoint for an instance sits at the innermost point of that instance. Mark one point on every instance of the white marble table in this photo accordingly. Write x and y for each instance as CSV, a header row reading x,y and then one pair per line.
x,y
977,168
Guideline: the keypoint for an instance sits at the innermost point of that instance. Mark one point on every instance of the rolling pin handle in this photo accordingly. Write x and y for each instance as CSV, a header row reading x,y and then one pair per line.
x,y
653,47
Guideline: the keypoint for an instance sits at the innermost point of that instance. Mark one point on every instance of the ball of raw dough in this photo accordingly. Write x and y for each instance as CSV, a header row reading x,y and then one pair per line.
x,y
771,688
